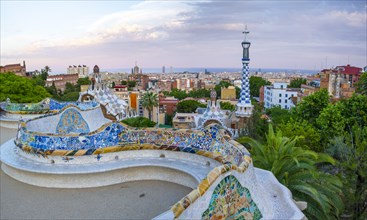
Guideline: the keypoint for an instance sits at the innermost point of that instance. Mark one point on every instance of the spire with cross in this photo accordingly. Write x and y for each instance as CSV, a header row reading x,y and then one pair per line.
x,y
244,106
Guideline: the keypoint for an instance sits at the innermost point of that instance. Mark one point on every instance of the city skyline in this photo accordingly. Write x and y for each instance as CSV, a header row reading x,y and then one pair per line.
x,y
284,34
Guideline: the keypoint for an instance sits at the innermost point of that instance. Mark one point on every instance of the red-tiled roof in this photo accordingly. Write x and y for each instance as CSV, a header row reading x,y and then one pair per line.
x,y
350,70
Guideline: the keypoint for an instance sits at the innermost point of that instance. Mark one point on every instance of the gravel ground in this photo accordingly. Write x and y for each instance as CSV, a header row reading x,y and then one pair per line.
x,y
132,200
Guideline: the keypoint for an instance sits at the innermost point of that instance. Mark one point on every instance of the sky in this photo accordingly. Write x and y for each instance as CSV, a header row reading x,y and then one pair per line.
x,y
295,34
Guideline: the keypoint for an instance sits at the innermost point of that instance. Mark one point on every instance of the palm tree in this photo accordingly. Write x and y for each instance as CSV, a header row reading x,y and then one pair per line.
x,y
296,168
47,69
150,100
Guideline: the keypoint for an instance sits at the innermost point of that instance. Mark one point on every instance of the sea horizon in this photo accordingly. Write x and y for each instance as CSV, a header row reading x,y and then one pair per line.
x,y
203,69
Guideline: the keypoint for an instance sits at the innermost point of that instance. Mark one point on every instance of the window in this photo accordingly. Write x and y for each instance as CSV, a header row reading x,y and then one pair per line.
x,y
286,106
280,101
292,95
281,86
280,95
286,95
286,101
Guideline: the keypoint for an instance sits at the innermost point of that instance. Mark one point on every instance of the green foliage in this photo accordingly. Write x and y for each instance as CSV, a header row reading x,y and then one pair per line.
x,y
308,136
113,84
71,88
238,92
20,89
139,122
296,83
330,122
227,106
199,93
44,72
178,94
257,124
37,80
70,97
350,151
84,81
188,106
149,101
278,115
361,85
168,120
123,82
255,84
296,168
131,84
311,106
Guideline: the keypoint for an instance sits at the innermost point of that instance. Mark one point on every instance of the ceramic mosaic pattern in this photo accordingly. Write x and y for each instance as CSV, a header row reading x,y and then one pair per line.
x,y
46,106
210,139
27,107
231,201
71,121
55,105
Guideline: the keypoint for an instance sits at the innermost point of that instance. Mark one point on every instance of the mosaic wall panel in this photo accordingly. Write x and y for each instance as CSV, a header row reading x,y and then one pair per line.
x,y
55,105
209,139
230,200
71,121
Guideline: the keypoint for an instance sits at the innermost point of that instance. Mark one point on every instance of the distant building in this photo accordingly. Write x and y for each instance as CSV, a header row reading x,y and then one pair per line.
x,y
163,69
184,121
119,88
168,105
141,80
279,95
340,81
81,70
18,69
61,80
228,93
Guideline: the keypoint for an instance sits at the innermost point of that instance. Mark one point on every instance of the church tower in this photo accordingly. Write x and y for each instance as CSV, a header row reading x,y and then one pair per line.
x,y
244,106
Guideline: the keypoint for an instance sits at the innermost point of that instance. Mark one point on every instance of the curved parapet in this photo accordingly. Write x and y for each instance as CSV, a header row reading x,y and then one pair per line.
x,y
79,144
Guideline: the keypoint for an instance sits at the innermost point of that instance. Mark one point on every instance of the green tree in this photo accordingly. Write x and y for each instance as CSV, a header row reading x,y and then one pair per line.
x,y
139,122
149,101
258,123
361,85
84,81
330,122
123,82
255,83
70,97
308,136
350,151
20,89
37,80
227,106
199,93
278,115
113,84
311,106
131,84
44,72
296,168
296,83
178,94
188,106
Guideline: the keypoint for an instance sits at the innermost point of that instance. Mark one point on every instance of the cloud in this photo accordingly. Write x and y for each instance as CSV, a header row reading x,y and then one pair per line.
x,y
283,33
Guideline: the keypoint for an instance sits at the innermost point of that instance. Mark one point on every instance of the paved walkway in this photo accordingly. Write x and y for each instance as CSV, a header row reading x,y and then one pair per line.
x,y
133,200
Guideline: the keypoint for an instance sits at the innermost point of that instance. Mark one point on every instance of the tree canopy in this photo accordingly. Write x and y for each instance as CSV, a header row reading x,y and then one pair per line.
x,y
188,106
296,83
255,83
20,89
361,85
139,122
227,106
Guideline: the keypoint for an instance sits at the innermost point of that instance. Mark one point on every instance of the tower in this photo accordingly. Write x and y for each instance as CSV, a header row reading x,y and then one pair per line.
x,y
244,106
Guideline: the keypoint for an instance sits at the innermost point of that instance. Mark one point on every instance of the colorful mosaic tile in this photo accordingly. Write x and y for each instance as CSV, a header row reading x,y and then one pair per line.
x,y
71,121
45,106
230,200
